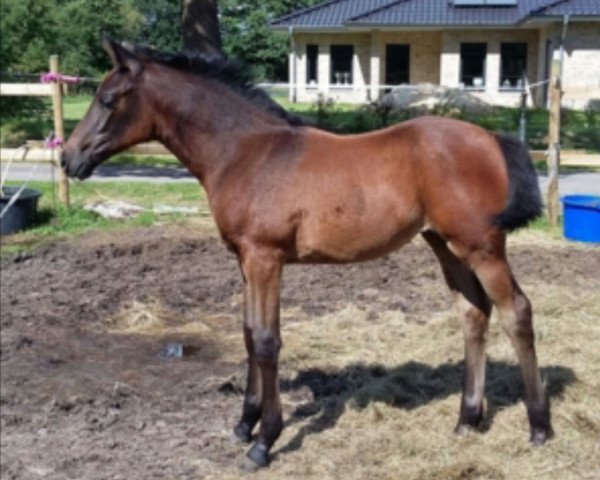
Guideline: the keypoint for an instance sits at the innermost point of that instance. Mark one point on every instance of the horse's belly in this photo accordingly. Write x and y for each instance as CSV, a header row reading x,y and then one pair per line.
x,y
342,239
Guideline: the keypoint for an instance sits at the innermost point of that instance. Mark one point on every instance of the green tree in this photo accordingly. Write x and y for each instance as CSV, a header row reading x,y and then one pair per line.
x,y
32,30
79,26
26,34
161,24
247,36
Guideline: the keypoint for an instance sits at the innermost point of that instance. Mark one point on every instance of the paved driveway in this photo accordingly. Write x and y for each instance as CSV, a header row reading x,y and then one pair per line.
x,y
105,173
569,183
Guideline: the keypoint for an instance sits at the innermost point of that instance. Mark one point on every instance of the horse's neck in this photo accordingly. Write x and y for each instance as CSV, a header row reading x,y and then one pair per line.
x,y
206,129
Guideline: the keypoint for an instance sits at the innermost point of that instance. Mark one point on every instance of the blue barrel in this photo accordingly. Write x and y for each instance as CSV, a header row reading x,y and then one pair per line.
x,y
21,214
582,218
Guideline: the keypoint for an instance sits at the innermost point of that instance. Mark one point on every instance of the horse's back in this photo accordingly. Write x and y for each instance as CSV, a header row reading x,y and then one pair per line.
x,y
368,194
427,159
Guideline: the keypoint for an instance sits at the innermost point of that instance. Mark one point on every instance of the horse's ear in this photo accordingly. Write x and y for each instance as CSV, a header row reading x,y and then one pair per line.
x,y
121,56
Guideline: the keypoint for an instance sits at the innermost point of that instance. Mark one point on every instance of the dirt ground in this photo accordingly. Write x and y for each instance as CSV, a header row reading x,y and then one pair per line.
x,y
371,365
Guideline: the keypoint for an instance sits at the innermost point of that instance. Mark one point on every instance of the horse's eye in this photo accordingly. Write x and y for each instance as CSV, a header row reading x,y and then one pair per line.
x,y
107,100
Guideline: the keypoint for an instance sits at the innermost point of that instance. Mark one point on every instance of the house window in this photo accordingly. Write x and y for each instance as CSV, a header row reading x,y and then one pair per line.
x,y
397,64
341,64
513,61
472,64
312,64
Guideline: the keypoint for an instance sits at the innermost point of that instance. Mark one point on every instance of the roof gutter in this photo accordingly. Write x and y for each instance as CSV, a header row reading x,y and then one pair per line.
x,y
549,19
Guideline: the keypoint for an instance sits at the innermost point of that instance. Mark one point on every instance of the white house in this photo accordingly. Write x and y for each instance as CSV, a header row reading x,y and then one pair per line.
x,y
352,50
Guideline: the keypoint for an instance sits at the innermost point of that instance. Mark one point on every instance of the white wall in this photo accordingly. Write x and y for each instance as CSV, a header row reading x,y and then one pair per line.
x,y
435,58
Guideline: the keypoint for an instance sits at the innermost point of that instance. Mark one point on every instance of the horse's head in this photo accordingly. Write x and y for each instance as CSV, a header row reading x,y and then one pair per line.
x,y
116,119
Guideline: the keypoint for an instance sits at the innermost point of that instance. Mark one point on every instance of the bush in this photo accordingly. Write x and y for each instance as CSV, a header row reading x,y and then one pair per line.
x,y
323,109
24,107
579,129
15,132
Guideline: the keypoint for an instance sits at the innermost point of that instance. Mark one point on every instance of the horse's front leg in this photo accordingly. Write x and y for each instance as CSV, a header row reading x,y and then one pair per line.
x,y
262,269
252,398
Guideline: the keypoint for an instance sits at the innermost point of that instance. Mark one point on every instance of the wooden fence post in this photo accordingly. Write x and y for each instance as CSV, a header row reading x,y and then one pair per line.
x,y
59,131
552,199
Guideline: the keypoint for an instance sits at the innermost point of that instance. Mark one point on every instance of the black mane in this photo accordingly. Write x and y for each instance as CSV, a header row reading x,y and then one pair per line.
x,y
228,72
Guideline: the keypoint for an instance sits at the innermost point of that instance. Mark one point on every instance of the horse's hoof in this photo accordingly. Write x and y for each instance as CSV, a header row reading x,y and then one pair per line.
x,y
470,418
463,429
249,466
241,433
539,423
539,436
256,458
469,424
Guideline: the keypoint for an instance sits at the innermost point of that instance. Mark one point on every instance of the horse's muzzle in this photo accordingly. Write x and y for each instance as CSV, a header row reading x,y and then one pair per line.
x,y
78,166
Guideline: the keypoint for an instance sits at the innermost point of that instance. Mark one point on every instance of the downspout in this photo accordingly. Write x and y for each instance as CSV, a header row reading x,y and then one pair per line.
x,y
293,96
563,39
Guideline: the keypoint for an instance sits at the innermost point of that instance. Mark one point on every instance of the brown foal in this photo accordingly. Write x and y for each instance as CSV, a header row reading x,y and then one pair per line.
x,y
281,192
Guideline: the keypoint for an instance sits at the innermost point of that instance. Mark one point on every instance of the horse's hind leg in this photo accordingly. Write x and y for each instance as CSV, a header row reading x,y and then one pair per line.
x,y
475,308
491,267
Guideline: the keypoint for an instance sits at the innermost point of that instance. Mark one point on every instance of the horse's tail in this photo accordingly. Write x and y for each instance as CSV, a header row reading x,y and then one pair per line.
x,y
524,197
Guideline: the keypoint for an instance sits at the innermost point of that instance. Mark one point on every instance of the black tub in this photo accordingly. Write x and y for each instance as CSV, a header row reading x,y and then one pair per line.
x,y
21,213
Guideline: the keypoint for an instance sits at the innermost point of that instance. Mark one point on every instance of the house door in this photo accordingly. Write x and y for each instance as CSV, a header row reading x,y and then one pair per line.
x,y
397,64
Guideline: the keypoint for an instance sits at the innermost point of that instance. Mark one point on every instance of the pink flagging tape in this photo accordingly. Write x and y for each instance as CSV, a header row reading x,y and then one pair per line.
x,y
54,142
59,77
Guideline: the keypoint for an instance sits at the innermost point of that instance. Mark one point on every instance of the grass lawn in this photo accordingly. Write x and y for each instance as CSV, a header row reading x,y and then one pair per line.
x,y
54,221
579,128
75,107
542,167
